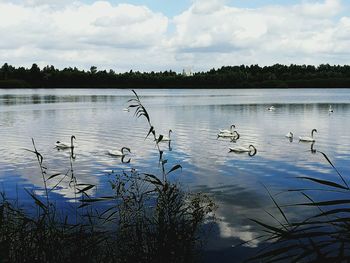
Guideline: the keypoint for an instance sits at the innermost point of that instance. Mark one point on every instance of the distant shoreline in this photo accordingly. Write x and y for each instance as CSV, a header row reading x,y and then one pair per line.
x,y
227,77
140,87
174,88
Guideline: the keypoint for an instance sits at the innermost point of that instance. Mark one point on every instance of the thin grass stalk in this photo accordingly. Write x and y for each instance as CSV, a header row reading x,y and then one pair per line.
x,y
40,159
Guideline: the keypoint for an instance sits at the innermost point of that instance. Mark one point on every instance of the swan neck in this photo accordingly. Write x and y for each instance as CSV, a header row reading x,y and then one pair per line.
x,y
312,132
123,149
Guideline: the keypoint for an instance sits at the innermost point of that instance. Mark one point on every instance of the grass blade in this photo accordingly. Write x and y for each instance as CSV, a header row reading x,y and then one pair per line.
x,y
323,182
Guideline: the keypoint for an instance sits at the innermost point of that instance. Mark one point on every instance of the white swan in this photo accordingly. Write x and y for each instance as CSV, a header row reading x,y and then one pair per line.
x,y
228,131
330,110
308,139
271,108
289,135
235,135
65,145
166,138
240,149
118,153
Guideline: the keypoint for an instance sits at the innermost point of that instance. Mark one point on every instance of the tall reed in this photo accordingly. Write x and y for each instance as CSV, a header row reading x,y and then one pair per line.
x,y
147,218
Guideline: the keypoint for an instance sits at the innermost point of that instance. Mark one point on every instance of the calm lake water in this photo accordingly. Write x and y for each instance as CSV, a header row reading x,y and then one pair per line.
x,y
97,120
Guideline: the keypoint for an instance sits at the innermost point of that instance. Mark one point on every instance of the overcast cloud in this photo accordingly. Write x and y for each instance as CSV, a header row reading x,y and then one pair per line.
x,y
210,33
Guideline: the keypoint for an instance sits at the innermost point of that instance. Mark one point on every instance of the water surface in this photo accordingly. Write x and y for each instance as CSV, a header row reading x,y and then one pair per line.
x,y
97,120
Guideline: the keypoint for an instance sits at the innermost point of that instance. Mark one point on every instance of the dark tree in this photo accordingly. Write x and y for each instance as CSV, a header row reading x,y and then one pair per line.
x,y
253,76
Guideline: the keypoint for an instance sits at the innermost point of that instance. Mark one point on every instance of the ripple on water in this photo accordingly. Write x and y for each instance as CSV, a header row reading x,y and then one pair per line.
x,y
235,180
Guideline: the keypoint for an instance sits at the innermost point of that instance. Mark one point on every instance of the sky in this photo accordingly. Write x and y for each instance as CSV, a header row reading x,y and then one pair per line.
x,y
158,35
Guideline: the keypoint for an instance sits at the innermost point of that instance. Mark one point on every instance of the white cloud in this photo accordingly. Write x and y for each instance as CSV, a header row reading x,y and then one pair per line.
x,y
78,34
309,32
33,3
210,33
203,7
327,8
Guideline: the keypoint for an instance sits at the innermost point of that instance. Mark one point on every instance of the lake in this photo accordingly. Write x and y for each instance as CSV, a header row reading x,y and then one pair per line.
x,y
236,181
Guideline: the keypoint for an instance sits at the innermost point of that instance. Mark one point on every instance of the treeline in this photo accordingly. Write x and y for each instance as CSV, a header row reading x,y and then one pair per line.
x,y
254,76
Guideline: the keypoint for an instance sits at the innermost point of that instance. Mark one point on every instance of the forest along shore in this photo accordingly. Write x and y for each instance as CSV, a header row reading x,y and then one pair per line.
x,y
254,76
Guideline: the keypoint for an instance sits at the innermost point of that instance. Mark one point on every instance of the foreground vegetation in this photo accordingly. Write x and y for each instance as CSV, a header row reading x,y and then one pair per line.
x,y
254,76
322,236
147,219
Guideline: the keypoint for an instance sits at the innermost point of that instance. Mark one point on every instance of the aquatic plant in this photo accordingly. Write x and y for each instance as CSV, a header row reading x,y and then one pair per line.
x,y
48,236
147,218
156,221
321,237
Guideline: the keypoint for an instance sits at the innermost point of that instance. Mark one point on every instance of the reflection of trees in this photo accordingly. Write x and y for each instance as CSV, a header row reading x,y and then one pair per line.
x,y
252,76
10,99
